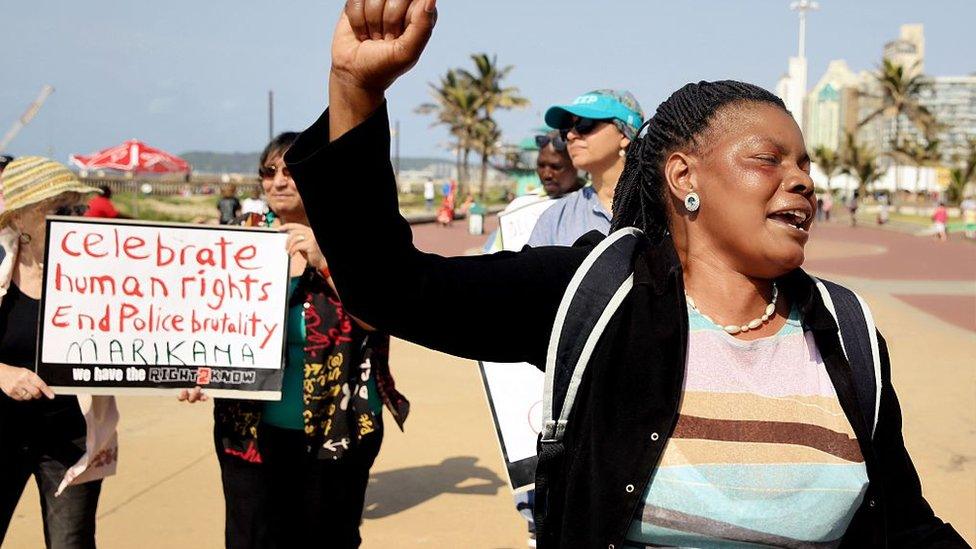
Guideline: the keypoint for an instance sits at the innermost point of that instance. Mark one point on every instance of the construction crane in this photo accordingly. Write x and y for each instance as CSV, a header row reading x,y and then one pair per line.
x,y
28,115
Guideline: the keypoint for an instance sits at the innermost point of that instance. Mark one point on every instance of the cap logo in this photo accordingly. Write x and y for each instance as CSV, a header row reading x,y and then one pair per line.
x,y
586,100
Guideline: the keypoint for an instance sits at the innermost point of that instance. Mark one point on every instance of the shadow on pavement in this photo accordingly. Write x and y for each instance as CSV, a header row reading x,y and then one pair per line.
x,y
391,492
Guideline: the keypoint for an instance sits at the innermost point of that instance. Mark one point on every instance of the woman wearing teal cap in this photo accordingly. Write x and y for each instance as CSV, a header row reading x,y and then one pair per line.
x,y
598,127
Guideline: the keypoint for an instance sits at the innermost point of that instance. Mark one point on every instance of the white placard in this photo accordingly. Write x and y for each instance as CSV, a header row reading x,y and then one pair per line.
x,y
142,308
515,396
515,225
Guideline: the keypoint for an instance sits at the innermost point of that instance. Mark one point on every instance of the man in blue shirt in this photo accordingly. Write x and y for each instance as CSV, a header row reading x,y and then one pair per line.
x,y
598,127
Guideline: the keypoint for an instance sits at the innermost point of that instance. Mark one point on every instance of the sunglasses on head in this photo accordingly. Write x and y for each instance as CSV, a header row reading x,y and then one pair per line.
x,y
269,172
582,126
558,142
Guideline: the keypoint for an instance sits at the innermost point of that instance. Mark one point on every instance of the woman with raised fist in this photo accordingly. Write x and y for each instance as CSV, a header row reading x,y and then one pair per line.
x,y
719,406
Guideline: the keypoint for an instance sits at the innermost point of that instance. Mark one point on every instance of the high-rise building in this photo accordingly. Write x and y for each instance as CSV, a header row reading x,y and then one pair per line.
x,y
843,102
829,105
908,50
791,87
952,102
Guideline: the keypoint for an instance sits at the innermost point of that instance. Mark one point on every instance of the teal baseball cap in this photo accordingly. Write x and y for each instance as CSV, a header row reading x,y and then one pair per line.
x,y
620,106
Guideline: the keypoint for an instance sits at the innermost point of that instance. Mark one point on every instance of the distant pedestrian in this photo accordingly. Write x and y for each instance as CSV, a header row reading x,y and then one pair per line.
x,y
228,205
852,203
884,205
254,204
101,205
969,216
939,220
828,204
445,216
429,194
820,214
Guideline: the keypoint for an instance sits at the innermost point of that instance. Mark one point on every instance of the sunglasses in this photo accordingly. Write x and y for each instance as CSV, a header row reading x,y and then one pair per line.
x,y
558,142
269,172
582,126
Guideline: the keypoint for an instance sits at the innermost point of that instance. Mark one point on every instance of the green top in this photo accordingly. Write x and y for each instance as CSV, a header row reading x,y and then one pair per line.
x,y
287,412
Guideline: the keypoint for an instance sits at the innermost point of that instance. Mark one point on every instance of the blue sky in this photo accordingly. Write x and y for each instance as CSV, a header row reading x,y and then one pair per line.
x,y
190,75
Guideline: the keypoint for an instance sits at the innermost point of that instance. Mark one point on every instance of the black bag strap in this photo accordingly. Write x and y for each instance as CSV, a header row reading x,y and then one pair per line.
x,y
594,294
859,339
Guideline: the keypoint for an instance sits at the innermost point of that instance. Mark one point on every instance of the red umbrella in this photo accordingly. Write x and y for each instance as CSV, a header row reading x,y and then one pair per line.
x,y
131,156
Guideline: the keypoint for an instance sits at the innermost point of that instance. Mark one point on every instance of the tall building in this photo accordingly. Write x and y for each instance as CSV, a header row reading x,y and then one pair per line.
x,y
792,86
831,107
952,101
908,50
842,100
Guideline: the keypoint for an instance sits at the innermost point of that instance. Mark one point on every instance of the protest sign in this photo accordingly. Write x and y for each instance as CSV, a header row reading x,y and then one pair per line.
x,y
515,225
141,308
514,394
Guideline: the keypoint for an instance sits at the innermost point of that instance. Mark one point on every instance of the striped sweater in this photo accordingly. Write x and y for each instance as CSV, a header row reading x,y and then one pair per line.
x,y
762,454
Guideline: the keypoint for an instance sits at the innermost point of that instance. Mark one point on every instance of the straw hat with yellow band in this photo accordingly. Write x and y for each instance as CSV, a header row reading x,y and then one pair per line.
x,y
30,180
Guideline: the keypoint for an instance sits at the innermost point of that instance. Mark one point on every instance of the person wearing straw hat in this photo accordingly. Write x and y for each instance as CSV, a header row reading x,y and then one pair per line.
x,y
67,443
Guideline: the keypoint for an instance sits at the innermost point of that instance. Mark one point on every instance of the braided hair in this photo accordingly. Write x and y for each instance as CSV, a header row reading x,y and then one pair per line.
x,y
640,199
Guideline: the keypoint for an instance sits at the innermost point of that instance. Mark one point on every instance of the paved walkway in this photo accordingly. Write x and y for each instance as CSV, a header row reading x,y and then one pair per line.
x,y
441,484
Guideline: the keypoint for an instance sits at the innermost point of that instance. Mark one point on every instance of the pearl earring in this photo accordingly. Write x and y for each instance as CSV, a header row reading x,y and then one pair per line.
x,y
692,201
623,153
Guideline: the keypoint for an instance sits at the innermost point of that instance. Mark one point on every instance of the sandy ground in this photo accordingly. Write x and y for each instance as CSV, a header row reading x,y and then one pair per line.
x,y
442,483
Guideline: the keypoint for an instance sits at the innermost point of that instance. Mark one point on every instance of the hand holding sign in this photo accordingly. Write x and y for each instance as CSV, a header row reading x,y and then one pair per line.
x,y
22,384
195,394
302,240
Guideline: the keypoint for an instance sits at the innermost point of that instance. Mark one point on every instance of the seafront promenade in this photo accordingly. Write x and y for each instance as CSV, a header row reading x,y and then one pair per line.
x,y
442,483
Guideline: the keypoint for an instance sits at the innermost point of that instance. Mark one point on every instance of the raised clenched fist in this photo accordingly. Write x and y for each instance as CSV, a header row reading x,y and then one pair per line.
x,y
378,40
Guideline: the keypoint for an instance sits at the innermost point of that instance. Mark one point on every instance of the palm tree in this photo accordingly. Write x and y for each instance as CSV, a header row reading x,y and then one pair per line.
x,y
487,141
456,105
486,80
920,154
828,161
901,90
900,93
862,163
962,175
957,184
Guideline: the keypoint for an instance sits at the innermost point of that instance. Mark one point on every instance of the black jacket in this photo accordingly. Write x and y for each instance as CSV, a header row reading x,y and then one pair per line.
x,y
628,403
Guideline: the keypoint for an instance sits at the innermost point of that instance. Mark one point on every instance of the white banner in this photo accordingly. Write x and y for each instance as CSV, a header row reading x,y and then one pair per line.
x,y
515,225
143,308
515,396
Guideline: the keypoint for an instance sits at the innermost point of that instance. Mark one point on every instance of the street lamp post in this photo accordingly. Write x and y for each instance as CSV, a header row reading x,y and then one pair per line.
x,y
802,7
795,90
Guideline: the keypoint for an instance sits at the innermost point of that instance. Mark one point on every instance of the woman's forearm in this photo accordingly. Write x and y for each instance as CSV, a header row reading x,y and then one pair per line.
x,y
349,105
477,307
